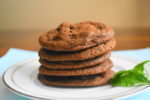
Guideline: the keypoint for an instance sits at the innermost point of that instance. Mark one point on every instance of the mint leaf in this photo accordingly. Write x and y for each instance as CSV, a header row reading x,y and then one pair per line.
x,y
140,67
133,77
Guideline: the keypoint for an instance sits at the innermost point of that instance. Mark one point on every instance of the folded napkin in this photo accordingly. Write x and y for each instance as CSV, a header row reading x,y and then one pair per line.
x,y
16,55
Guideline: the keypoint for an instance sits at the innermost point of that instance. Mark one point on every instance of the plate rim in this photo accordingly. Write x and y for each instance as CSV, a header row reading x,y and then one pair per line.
x,y
31,96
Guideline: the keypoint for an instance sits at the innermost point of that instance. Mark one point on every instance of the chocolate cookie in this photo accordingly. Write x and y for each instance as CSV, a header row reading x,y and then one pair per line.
x,y
73,37
74,64
78,55
89,70
77,81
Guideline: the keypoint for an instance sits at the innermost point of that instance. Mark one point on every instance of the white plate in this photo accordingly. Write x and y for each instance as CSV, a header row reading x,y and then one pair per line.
x,y
22,79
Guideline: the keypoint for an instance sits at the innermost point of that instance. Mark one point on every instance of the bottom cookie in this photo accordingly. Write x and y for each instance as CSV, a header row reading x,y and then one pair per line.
x,y
77,81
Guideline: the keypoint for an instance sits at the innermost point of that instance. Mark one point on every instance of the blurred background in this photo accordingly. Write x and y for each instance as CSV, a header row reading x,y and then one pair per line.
x,y
22,21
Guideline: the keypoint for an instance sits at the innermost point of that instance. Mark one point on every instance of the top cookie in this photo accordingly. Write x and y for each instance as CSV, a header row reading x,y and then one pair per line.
x,y
73,37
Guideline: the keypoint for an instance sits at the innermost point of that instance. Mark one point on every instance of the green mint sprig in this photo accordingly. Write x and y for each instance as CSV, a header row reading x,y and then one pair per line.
x,y
133,77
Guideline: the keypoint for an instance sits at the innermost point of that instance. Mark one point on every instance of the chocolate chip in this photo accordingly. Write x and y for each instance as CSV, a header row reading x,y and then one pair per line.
x,y
71,27
58,29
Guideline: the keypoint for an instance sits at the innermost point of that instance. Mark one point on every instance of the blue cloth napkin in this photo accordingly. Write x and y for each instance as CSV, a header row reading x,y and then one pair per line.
x,y
16,55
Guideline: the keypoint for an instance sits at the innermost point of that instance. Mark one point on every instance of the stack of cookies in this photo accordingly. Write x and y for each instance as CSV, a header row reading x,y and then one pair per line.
x,y
76,55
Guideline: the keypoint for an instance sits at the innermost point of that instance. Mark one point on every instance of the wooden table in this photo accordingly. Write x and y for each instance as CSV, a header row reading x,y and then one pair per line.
x,y
28,40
